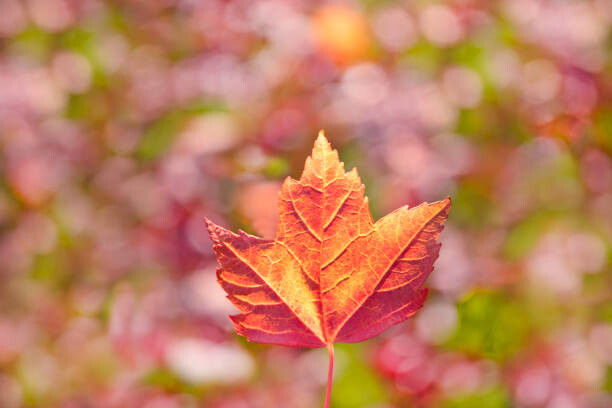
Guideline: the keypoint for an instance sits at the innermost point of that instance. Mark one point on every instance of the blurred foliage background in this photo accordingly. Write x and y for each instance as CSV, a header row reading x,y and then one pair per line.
x,y
124,123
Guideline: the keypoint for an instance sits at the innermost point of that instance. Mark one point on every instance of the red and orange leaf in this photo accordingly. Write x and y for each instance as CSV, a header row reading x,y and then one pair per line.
x,y
331,274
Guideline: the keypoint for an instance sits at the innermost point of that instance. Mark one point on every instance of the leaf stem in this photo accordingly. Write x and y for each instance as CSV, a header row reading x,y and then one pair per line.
x,y
330,374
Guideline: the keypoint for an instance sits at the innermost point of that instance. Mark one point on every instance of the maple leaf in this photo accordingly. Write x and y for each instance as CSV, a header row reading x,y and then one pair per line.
x,y
331,274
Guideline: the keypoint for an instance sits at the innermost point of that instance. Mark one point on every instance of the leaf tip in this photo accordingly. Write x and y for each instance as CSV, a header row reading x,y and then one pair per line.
x,y
443,204
447,203
215,232
322,140
210,226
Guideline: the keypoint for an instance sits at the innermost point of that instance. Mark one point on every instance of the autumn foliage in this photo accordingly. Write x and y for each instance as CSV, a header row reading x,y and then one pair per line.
x,y
123,124
332,274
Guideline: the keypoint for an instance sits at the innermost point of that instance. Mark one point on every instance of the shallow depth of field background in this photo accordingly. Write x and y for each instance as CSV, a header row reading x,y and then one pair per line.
x,y
124,123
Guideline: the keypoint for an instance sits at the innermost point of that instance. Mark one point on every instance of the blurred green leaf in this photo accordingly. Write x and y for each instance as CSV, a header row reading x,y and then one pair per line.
x,y
424,56
353,157
357,386
78,39
34,42
91,107
490,398
490,325
607,386
471,123
468,54
81,40
158,137
603,127
50,270
160,134
524,235
471,205
276,167
604,312
505,32
167,380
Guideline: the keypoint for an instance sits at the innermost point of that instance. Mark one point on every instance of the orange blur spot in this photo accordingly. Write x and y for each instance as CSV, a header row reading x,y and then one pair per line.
x,y
563,127
342,33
